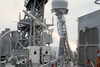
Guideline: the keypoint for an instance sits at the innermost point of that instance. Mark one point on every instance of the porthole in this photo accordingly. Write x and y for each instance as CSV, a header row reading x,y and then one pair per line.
x,y
34,52
46,52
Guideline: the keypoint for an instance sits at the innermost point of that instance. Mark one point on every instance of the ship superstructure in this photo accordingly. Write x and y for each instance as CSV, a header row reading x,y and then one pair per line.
x,y
29,45
34,34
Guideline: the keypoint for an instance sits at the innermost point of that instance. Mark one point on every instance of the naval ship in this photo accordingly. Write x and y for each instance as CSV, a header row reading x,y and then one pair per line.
x,y
29,45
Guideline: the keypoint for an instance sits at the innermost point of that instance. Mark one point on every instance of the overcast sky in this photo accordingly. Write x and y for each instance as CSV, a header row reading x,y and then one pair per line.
x,y
9,16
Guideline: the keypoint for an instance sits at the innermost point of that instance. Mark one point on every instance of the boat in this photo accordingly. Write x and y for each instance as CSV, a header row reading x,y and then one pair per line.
x,y
30,44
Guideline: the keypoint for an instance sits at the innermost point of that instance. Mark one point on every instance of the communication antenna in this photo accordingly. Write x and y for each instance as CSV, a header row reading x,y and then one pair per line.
x,y
19,16
59,8
52,20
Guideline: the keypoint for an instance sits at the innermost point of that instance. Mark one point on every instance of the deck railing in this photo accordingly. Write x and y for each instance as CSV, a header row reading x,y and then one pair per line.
x,y
55,63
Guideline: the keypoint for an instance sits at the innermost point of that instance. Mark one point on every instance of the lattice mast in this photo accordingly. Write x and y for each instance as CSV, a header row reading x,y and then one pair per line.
x,y
31,34
59,7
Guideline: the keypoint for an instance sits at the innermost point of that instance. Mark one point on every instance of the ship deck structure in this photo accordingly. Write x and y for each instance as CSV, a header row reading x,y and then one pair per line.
x,y
30,44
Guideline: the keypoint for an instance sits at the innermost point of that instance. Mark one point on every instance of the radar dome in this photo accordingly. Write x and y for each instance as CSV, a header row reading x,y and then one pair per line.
x,y
59,4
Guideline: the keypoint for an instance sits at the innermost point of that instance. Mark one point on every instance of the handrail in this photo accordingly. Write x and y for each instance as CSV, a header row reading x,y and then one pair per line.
x,y
1,41
92,64
52,62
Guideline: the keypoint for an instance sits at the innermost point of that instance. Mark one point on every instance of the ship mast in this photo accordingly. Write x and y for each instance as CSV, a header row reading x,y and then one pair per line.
x,y
31,34
59,7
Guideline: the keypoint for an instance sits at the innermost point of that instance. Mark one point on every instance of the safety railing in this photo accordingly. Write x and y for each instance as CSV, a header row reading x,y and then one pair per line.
x,y
1,38
54,63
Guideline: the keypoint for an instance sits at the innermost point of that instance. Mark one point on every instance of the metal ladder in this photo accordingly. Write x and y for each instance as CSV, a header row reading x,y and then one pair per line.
x,y
63,33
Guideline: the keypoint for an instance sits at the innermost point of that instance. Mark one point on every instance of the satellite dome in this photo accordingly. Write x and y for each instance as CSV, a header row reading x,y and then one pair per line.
x,y
59,4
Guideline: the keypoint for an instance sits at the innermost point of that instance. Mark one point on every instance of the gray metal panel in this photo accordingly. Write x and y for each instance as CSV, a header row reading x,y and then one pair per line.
x,y
88,23
91,54
90,20
82,55
92,36
82,37
95,55
47,38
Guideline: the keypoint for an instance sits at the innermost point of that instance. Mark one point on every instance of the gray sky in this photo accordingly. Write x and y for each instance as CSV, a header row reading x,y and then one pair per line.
x,y
9,16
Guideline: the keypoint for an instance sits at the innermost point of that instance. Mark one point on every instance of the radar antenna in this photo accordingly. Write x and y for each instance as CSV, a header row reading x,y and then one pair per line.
x,y
59,7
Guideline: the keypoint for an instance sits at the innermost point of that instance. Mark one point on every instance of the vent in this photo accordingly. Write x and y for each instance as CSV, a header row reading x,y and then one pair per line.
x,y
92,36
82,37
